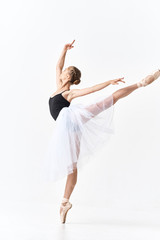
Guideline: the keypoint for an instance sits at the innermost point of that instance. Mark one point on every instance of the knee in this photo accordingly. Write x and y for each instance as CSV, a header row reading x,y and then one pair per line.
x,y
150,77
115,98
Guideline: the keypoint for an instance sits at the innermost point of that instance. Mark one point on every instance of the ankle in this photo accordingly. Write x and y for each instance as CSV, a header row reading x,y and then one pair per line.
x,y
65,200
139,84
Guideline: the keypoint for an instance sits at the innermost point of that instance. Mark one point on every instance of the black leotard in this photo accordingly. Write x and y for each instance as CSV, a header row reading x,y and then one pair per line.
x,y
56,103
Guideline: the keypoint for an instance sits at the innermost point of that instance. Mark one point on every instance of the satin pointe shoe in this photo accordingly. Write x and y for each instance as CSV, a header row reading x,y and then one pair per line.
x,y
149,79
65,206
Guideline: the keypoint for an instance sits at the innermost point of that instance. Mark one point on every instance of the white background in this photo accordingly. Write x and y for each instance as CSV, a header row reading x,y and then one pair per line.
x,y
112,39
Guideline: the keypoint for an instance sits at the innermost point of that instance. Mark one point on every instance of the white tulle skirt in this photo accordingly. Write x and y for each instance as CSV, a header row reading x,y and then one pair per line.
x,y
80,131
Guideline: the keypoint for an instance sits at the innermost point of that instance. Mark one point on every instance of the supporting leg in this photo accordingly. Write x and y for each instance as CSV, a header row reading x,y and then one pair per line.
x,y
72,178
70,184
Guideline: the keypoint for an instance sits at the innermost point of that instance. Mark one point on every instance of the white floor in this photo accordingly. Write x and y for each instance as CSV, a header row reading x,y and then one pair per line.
x,y
27,221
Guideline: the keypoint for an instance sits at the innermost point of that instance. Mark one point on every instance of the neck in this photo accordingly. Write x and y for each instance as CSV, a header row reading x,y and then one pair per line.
x,y
65,86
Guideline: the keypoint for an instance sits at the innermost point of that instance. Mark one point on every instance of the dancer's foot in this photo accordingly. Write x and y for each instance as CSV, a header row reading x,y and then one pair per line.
x,y
65,206
149,79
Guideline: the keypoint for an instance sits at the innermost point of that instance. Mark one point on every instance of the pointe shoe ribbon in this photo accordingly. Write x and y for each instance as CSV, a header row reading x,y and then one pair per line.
x,y
149,79
65,209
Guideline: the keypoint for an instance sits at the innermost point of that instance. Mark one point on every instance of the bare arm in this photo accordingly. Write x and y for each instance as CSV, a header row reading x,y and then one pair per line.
x,y
61,59
60,63
81,92
59,67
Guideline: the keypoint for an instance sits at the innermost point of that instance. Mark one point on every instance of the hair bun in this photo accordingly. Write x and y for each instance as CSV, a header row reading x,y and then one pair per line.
x,y
77,81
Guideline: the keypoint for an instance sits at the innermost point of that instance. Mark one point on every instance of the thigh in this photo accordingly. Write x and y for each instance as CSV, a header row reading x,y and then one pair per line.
x,y
98,107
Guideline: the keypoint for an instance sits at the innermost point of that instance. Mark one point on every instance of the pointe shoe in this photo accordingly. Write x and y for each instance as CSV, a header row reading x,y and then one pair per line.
x,y
65,209
149,79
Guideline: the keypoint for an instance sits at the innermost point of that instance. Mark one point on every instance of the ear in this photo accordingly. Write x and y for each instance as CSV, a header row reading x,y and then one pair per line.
x,y
68,76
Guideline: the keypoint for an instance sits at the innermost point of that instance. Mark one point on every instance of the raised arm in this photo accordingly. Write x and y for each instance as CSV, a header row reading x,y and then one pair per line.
x,y
81,92
60,62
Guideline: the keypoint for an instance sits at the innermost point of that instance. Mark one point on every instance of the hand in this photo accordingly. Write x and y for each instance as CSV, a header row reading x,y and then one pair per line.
x,y
68,45
115,81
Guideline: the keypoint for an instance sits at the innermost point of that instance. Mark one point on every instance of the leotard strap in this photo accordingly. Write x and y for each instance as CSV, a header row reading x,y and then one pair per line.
x,y
64,91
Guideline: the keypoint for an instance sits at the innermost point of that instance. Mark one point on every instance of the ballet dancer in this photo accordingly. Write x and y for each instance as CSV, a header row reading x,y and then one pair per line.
x,y
64,80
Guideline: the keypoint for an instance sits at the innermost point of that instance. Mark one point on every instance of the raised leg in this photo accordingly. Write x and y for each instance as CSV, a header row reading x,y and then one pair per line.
x,y
123,92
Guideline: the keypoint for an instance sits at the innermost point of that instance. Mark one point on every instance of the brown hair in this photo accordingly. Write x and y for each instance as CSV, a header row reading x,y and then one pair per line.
x,y
75,74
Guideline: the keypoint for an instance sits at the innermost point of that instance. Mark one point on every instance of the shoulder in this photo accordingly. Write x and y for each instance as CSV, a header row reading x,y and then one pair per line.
x,y
73,93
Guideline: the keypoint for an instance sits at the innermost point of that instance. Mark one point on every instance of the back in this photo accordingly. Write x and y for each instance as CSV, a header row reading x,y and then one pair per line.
x,y
56,103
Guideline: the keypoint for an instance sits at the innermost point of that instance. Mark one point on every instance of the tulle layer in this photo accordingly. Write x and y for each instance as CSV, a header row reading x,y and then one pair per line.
x,y
80,131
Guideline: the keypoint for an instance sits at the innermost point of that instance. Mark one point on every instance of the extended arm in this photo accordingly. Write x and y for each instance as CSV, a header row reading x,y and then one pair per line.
x,y
81,92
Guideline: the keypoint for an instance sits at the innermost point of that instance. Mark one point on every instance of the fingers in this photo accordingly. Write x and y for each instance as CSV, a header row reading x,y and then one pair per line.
x,y
116,81
120,79
70,45
73,42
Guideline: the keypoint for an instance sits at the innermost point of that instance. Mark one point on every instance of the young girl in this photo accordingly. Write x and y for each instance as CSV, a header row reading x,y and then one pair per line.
x,y
81,129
